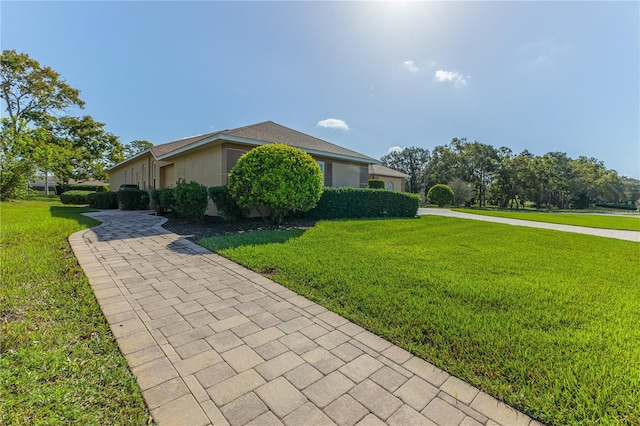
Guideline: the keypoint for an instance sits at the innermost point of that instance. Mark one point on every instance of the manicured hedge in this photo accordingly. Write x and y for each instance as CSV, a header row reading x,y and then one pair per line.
x,y
75,197
65,187
133,199
103,200
225,203
338,203
164,200
192,200
376,183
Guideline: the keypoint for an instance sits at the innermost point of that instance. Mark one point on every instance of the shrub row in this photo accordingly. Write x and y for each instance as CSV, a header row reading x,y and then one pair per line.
x,y
376,183
66,187
353,203
225,203
189,200
75,197
133,199
163,200
103,200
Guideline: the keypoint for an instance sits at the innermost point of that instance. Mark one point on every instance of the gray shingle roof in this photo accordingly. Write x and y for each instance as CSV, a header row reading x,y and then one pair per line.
x,y
168,147
259,134
269,131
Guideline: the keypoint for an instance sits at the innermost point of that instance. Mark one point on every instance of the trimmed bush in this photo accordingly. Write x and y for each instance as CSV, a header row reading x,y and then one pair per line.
x,y
192,200
102,188
133,199
277,176
103,200
353,203
75,197
163,200
66,187
440,194
225,203
376,184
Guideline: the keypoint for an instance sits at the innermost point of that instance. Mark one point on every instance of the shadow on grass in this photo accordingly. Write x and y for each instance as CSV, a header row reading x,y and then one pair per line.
x,y
75,213
217,244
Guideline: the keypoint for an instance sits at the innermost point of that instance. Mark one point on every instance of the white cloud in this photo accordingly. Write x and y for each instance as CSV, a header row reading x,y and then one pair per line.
x,y
333,123
451,76
411,66
394,149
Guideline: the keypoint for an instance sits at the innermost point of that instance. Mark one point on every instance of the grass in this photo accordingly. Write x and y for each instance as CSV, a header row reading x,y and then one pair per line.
x,y
543,320
59,362
626,222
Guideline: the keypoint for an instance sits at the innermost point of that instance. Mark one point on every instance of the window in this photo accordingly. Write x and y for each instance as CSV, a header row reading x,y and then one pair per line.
x,y
321,165
229,159
153,172
144,177
125,176
390,186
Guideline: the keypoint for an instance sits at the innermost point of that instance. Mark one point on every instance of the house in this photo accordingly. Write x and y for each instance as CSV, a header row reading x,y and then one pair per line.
x,y
208,159
393,179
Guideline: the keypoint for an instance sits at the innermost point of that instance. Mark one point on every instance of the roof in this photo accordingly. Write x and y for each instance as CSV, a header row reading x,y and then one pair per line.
x,y
257,134
165,148
271,132
378,169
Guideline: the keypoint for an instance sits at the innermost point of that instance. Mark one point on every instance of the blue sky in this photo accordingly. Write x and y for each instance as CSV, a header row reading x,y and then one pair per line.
x,y
543,76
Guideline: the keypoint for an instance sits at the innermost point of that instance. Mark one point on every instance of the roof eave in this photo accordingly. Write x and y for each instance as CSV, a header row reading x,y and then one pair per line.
x,y
129,159
257,142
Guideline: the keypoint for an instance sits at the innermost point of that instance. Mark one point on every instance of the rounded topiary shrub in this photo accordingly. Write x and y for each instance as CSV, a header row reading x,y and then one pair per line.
x,y
75,197
277,176
191,200
440,194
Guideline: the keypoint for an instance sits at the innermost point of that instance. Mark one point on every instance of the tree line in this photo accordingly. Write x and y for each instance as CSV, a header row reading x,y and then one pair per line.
x,y
36,136
499,176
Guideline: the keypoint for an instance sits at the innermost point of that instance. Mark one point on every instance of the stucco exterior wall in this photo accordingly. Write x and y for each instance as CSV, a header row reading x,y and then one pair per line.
x,y
136,172
204,167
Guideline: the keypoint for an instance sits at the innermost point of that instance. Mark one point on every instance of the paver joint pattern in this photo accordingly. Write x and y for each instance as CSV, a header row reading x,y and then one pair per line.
x,y
213,343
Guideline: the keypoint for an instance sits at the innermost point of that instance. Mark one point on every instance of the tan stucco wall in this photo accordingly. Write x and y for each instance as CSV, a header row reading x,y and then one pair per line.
x,y
138,171
204,167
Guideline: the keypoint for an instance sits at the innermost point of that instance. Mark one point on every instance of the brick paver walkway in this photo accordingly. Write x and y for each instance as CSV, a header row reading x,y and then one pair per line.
x,y
211,342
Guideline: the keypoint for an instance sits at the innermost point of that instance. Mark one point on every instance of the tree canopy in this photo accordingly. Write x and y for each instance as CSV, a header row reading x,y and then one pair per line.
x,y
36,135
507,179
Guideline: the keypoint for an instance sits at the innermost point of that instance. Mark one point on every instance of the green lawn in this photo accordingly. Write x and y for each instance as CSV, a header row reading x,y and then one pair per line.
x,y
545,321
59,363
626,222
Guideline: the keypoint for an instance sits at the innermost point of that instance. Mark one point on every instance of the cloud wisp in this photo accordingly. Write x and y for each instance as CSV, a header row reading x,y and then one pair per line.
x,y
411,66
333,123
443,76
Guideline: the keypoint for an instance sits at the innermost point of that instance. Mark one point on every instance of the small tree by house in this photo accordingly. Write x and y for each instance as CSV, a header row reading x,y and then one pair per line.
x,y
440,195
276,176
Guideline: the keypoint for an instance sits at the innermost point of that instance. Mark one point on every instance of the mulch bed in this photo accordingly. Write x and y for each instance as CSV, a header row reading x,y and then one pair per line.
x,y
216,226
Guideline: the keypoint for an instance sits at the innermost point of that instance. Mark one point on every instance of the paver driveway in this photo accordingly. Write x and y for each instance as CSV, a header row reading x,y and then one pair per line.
x,y
211,342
